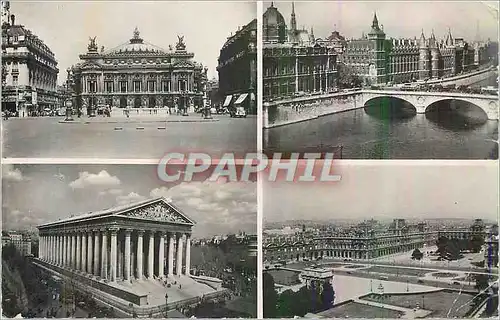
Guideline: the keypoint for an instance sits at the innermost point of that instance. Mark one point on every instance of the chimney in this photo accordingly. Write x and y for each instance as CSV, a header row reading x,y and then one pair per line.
x,y
13,19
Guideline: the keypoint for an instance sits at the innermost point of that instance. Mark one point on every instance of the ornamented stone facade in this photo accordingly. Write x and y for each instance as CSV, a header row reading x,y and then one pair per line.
x,y
360,242
237,69
29,70
138,74
294,63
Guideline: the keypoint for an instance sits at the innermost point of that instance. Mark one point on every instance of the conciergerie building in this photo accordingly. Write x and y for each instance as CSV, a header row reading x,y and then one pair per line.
x,y
138,74
135,258
294,61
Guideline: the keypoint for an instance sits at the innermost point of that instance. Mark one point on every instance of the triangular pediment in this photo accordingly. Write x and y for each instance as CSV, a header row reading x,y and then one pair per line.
x,y
158,211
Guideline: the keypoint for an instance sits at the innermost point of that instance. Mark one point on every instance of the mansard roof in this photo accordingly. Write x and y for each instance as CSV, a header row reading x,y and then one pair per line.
x,y
156,209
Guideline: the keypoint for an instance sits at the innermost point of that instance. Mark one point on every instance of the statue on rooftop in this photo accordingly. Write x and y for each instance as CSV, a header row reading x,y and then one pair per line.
x,y
180,46
92,45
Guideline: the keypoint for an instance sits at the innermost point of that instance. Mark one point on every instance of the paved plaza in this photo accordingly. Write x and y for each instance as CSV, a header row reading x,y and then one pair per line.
x,y
129,138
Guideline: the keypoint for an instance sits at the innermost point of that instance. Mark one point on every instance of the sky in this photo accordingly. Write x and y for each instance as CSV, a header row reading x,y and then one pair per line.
x,y
37,194
400,19
387,190
65,26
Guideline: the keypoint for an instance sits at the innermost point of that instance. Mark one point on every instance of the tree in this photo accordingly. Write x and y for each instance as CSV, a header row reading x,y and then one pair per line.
x,y
417,254
269,295
476,243
327,296
347,78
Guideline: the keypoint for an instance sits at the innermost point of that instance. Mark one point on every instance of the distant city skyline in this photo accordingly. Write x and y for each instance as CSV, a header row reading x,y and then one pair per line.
x,y
37,194
388,190
353,18
66,26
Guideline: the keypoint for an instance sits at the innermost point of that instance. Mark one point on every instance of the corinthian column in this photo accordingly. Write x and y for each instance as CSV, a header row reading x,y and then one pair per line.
x,y
161,256
90,252
73,251
140,233
78,251
188,254
151,251
96,252
127,255
83,266
114,232
171,244
104,254
179,255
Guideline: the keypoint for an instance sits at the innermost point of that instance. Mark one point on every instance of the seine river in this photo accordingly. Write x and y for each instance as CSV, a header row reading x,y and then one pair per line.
x,y
393,130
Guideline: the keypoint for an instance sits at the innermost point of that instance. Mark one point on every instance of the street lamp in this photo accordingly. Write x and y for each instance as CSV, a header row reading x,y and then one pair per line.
x,y
69,102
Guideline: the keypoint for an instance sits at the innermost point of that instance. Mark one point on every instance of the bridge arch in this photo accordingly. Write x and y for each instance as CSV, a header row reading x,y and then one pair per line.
x,y
461,103
389,106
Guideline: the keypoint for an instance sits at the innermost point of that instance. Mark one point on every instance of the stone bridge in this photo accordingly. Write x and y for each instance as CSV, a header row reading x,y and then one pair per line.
x,y
422,100
299,109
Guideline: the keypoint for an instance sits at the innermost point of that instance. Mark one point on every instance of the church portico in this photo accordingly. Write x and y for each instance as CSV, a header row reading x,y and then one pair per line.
x,y
128,250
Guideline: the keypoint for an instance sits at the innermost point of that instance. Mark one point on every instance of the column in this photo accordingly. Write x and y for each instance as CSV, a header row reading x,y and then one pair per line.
x,y
140,233
61,250
53,249
114,232
66,250
90,252
73,251
49,247
179,254
83,266
104,254
96,252
126,276
161,256
78,251
151,251
188,254
171,254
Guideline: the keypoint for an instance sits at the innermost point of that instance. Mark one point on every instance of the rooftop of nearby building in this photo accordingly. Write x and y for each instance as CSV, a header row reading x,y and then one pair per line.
x,y
12,29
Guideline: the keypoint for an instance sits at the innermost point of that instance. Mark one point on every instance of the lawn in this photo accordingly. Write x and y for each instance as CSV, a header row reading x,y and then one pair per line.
x,y
439,302
284,277
398,271
359,310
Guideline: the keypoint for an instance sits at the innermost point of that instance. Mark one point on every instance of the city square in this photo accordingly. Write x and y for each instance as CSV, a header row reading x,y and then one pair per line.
x,y
408,249
141,248
127,91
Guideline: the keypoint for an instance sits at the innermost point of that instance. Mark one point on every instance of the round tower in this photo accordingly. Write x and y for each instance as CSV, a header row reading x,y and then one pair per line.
x,y
436,71
424,58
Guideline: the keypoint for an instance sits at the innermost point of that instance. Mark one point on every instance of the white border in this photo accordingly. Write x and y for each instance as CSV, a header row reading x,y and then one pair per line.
x,y
260,300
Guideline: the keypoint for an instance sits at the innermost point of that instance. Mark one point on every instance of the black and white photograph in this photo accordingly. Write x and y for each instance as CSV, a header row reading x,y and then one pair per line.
x,y
381,80
114,241
389,241
128,79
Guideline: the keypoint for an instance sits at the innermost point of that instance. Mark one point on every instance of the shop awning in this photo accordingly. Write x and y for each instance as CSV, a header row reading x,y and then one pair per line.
x,y
227,101
241,98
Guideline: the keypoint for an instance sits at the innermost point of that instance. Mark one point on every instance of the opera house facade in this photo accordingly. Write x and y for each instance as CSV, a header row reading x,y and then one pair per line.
x,y
138,75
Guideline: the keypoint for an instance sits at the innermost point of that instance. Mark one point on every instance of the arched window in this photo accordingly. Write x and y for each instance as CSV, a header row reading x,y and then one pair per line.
x,y
137,102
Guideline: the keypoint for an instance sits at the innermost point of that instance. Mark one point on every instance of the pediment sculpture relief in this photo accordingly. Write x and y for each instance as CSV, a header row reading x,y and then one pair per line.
x,y
160,212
